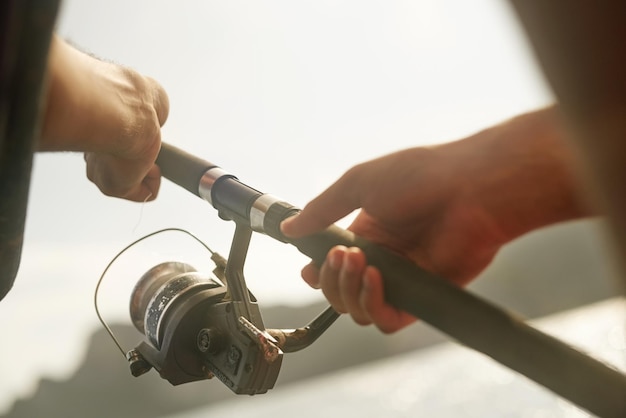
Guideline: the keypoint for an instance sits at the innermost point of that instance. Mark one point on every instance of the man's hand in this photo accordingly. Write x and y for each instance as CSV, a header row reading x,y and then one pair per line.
x,y
112,114
448,208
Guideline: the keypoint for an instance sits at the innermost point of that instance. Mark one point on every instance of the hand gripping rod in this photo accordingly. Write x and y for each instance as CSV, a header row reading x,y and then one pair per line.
x,y
470,320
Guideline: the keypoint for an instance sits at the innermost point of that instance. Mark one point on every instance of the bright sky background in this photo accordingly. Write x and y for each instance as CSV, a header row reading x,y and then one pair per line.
x,y
287,95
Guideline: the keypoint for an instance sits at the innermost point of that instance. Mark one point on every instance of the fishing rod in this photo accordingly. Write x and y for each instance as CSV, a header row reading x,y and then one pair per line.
x,y
234,344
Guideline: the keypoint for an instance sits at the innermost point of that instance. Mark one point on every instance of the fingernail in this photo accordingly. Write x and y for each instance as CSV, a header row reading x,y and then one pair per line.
x,y
284,224
349,261
335,258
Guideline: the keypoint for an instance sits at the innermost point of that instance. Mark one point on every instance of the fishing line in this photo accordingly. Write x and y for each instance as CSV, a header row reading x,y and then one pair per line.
x,y
141,211
152,234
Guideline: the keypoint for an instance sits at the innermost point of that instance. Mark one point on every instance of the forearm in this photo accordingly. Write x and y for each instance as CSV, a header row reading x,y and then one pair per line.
x,y
523,173
65,104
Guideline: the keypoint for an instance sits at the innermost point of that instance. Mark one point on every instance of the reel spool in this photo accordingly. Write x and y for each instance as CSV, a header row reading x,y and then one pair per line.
x,y
159,291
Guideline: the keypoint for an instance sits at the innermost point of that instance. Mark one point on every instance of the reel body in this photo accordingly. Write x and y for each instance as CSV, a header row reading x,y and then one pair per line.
x,y
193,333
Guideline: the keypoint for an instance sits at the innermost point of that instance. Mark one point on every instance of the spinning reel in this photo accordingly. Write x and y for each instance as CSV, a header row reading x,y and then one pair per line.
x,y
198,326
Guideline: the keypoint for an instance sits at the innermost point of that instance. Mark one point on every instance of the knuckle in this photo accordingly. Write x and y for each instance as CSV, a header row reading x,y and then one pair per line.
x,y
385,329
360,320
161,102
109,188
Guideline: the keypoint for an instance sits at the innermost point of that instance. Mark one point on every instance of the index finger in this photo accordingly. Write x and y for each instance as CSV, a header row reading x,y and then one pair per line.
x,y
339,200
160,101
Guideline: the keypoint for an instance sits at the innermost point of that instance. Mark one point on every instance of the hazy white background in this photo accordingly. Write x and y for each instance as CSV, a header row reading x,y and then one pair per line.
x,y
286,95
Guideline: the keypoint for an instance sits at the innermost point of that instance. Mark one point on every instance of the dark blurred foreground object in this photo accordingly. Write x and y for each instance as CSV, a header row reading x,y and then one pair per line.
x,y
25,31
581,48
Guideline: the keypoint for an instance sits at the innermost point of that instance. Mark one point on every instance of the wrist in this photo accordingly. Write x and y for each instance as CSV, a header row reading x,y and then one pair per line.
x,y
523,174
